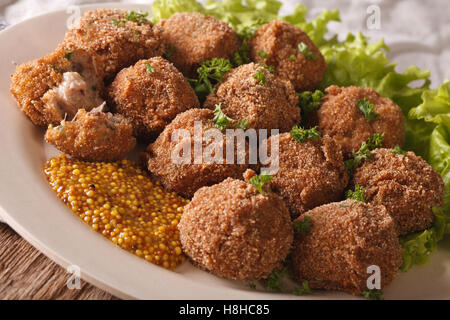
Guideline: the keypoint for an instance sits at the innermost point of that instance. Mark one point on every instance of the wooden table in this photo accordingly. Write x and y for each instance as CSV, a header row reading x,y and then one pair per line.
x,y
25,273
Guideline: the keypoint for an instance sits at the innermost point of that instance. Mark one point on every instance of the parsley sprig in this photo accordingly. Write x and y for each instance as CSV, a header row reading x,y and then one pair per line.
x,y
309,101
373,294
221,120
303,48
300,134
303,227
367,108
138,17
357,195
149,68
259,75
363,153
259,181
398,150
210,72
304,289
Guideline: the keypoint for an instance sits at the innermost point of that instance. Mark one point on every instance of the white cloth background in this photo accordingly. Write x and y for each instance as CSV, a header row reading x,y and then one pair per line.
x,y
417,31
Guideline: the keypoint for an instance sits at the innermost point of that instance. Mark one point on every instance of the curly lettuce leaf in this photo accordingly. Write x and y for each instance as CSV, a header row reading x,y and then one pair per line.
x,y
356,61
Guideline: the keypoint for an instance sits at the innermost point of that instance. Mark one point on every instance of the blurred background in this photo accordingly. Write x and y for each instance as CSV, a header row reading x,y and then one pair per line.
x,y
417,31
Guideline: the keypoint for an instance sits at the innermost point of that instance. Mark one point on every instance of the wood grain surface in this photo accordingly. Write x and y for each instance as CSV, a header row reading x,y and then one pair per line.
x,y
25,273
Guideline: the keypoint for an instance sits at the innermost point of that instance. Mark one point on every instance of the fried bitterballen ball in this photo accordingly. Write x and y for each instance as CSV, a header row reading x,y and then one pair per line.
x,y
291,52
115,38
405,184
192,38
151,93
171,158
343,240
235,232
250,92
55,86
341,116
311,172
93,136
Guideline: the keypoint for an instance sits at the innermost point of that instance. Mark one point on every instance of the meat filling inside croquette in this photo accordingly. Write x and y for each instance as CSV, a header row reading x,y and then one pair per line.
x,y
72,93
93,136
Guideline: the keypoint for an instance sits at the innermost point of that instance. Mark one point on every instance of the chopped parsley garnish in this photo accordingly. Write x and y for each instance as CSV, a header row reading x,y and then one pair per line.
x,y
249,31
118,23
170,51
220,119
271,69
309,101
241,56
363,153
398,150
292,57
149,68
137,17
304,289
242,124
260,180
252,285
262,54
303,227
68,55
373,294
275,279
357,195
367,109
303,48
259,75
299,134
210,73
136,32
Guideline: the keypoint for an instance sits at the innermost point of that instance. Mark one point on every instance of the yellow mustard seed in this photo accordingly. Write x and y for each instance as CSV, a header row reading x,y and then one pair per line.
x,y
120,201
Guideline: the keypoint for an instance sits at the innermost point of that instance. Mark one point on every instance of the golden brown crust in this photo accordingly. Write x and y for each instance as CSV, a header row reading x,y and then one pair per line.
x,y
280,40
310,173
345,238
193,38
114,46
235,232
405,184
186,178
33,79
340,118
269,106
93,136
151,100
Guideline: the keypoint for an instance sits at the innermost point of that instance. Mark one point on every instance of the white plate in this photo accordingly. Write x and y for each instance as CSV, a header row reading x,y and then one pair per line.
x,y
32,209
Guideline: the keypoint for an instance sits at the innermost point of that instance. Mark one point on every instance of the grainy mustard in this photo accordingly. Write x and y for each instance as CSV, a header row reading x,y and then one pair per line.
x,y
122,203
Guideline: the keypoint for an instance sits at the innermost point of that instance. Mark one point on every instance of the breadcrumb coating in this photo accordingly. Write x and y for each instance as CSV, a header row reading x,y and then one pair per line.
x,y
114,41
151,93
235,232
279,41
187,178
35,84
340,118
344,240
93,136
272,105
405,184
192,38
310,173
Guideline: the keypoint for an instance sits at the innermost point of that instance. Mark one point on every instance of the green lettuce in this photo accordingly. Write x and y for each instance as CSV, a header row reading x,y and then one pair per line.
x,y
357,61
